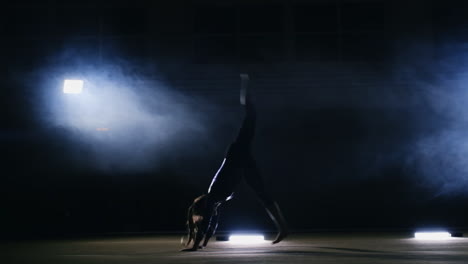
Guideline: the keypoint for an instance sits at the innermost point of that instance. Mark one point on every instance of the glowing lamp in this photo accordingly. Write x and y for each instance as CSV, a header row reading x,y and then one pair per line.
x,y
432,235
72,86
246,239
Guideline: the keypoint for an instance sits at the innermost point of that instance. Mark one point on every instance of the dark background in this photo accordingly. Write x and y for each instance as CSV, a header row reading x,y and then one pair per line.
x,y
361,112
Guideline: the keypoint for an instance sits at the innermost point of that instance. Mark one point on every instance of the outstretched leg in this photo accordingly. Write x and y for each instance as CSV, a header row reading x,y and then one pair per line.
x,y
254,180
247,129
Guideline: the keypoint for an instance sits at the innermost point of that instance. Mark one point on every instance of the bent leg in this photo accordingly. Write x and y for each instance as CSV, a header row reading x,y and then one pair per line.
x,y
253,178
277,216
255,181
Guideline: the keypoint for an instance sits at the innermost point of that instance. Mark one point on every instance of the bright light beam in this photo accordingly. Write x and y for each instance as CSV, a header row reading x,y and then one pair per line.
x,y
432,235
246,239
72,86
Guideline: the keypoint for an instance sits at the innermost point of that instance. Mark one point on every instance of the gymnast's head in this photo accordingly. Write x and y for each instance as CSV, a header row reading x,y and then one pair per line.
x,y
197,215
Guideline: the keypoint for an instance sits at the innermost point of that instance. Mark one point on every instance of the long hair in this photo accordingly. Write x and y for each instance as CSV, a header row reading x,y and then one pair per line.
x,y
194,217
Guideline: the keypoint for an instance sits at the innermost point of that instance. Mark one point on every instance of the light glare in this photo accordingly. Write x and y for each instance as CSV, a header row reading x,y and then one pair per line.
x,y
246,239
72,86
432,235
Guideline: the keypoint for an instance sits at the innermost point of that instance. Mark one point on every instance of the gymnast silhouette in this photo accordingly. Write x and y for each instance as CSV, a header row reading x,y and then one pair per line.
x,y
238,164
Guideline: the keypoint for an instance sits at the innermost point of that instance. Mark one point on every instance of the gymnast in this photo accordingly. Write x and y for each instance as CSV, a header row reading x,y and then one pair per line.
x,y
237,165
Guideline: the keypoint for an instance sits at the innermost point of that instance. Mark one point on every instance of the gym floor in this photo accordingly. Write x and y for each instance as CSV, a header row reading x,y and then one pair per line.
x,y
335,247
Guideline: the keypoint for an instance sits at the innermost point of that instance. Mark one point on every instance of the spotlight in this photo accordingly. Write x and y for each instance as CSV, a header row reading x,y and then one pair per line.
x,y
432,235
246,239
72,86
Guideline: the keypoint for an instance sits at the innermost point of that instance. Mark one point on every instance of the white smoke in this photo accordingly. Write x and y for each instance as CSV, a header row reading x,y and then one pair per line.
x,y
123,121
440,152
